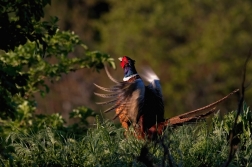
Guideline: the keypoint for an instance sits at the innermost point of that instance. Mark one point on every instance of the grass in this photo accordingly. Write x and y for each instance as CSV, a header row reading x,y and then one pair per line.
x,y
105,145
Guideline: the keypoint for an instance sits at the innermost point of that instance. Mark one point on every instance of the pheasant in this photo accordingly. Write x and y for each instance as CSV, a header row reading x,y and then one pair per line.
x,y
142,106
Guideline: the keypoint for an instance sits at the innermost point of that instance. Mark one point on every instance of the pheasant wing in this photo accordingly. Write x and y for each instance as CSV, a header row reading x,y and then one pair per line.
x,y
128,99
153,110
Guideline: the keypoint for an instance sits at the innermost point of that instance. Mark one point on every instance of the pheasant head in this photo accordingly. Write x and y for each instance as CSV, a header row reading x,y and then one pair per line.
x,y
128,66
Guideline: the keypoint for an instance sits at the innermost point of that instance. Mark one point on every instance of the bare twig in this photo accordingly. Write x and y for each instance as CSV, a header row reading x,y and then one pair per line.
x,y
144,158
233,146
166,153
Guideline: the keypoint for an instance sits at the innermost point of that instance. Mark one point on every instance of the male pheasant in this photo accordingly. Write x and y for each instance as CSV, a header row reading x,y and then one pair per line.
x,y
142,106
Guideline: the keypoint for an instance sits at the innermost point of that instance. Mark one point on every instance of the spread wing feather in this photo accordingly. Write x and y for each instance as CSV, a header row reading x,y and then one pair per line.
x,y
107,102
106,89
154,105
106,95
153,108
129,97
111,108
149,75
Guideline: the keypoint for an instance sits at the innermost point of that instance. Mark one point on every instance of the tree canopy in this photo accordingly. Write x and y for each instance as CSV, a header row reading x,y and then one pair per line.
x,y
32,53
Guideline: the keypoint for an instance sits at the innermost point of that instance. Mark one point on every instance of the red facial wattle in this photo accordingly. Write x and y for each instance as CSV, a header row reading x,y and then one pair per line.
x,y
124,61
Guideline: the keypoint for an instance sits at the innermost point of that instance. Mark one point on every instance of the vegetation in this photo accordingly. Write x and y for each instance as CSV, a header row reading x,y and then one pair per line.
x,y
36,53
26,67
105,145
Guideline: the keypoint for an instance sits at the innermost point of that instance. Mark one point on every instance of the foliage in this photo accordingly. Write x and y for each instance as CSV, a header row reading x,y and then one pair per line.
x,y
20,22
105,145
82,113
40,54
26,71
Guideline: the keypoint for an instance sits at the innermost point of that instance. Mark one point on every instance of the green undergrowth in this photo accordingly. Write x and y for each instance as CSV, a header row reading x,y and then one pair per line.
x,y
104,144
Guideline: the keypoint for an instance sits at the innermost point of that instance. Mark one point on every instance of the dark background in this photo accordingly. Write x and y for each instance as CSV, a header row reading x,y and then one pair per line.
x,y
197,48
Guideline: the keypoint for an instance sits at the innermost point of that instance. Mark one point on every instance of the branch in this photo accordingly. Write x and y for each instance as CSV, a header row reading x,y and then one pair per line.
x,y
166,153
144,158
233,147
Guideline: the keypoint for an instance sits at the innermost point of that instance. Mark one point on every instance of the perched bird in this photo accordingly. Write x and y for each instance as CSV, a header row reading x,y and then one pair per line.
x,y
134,103
142,106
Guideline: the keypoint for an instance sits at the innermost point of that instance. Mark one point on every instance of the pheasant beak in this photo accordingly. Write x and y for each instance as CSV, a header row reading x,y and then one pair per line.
x,y
120,58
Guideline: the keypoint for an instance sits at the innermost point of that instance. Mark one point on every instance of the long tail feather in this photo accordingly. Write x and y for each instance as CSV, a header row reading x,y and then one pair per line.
x,y
197,114
178,120
197,111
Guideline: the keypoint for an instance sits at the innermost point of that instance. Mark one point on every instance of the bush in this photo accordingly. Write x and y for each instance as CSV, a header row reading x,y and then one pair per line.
x,y
105,145
34,52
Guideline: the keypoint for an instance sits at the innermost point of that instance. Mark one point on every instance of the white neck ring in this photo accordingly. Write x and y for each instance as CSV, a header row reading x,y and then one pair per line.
x,y
127,78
